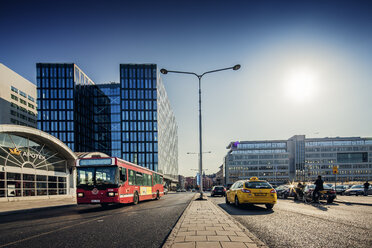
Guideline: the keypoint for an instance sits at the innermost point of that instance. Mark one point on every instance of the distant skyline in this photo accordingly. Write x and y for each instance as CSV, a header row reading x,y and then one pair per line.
x,y
306,66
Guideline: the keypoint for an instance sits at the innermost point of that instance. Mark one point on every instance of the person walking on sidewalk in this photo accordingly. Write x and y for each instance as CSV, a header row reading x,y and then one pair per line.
x,y
318,187
366,186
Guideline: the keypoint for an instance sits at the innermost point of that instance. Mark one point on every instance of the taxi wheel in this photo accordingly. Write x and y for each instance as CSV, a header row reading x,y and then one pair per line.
x,y
237,204
227,201
269,206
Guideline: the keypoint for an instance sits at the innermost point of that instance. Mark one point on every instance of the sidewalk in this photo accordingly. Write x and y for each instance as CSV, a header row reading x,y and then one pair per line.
x,y
203,224
357,200
35,205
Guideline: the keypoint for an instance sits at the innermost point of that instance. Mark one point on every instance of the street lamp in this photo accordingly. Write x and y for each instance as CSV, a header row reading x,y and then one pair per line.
x,y
199,76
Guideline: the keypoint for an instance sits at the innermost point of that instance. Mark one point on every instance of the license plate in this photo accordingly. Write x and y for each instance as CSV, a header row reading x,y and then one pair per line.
x,y
259,194
95,201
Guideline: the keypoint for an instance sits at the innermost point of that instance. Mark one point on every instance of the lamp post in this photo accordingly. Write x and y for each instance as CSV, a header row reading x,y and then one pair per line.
x,y
199,76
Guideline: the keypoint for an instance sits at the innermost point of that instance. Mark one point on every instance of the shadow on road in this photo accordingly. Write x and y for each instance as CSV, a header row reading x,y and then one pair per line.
x,y
321,206
245,209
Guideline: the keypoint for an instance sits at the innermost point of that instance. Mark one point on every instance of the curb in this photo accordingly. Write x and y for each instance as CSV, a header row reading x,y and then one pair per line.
x,y
256,240
33,210
172,236
353,203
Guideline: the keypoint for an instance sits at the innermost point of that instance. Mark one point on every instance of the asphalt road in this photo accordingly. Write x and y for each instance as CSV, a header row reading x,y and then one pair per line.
x,y
144,225
296,224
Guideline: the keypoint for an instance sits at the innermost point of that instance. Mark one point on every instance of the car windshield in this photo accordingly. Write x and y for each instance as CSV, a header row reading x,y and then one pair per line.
x,y
90,176
357,187
258,185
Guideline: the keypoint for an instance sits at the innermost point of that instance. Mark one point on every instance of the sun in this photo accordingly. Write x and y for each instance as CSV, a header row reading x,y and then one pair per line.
x,y
301,84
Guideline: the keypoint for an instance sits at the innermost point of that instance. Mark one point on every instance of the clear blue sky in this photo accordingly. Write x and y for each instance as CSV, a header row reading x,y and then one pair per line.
x,y
306,65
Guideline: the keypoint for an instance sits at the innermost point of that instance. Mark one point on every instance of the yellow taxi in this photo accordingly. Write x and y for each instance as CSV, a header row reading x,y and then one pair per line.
x,y
252,191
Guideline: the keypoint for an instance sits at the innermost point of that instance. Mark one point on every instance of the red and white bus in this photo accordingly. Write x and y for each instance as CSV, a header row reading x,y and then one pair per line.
x,y
113,180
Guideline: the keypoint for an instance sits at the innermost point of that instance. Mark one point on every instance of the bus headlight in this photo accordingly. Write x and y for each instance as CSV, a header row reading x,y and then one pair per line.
x,y
80,194
111,194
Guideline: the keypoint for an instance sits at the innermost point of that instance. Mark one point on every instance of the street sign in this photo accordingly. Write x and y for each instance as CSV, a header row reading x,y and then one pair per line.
x,y
335,169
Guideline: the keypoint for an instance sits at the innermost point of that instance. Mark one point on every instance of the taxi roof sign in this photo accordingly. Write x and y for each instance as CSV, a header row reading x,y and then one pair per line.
x,y
253,179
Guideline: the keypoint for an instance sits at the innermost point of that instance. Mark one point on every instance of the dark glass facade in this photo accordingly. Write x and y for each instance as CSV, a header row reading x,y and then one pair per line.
x,y
112,90
72,108
139,122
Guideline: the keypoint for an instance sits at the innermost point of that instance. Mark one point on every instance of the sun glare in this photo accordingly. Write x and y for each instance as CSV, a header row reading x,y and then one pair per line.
x,y
301,84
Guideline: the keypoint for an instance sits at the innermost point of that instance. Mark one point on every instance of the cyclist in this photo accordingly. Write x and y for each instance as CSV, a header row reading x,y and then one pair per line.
x,y
318,187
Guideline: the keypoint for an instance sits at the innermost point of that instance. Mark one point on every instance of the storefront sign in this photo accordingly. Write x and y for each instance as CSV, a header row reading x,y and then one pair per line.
x,y
15,151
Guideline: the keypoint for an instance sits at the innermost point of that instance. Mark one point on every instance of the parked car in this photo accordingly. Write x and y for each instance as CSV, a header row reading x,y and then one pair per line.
x,y
253,191
357,190
327,193
218,190
340,189
285,191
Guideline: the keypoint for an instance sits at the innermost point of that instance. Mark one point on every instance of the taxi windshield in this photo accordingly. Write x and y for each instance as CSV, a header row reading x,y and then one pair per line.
x,y
258,185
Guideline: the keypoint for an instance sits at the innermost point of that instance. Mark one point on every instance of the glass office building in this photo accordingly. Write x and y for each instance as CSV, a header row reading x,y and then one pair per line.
x,y
267,160
72,108
149,130
112,91
300,159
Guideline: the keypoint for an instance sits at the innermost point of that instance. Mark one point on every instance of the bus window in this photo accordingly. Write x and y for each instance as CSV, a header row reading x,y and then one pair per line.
x,y
148,180
123,175
132,179
161,180
139,179
85,176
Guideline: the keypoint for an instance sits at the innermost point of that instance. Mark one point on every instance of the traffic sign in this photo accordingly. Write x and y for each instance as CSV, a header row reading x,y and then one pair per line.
x,y
335,169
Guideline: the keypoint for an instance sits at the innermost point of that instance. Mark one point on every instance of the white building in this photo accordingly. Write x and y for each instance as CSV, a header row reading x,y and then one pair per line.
x,y
17,99
34,165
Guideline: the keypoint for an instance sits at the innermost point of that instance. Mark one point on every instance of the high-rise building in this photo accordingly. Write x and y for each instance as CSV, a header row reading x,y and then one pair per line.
x,y
149,130
17,99
72,108
112,91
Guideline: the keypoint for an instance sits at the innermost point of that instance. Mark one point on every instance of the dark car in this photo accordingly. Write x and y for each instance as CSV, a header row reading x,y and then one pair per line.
x,y
327,193
283,191
340,189
218,190
358,190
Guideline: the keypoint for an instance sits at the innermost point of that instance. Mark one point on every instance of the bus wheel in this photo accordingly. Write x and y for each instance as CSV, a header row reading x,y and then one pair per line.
x,y
135,198
157,195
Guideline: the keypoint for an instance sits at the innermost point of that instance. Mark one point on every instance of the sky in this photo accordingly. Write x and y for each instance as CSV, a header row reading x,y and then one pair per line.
x,y
305,65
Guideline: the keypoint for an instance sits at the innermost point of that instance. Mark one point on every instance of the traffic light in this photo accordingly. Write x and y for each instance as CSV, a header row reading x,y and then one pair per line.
x,y
335,169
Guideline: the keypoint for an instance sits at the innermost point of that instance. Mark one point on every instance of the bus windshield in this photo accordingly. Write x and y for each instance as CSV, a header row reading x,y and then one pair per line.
x,y
96,176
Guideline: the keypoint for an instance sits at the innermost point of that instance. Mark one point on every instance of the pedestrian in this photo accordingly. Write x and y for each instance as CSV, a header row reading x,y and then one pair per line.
x,y
366,186
318,187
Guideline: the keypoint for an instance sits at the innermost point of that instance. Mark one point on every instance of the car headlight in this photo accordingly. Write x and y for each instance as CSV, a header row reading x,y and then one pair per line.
x,y
80,194
111,194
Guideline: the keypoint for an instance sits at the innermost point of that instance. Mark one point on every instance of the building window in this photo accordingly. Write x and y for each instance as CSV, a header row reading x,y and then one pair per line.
x,y
14,89
14,97
23,101
23,94
31,98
